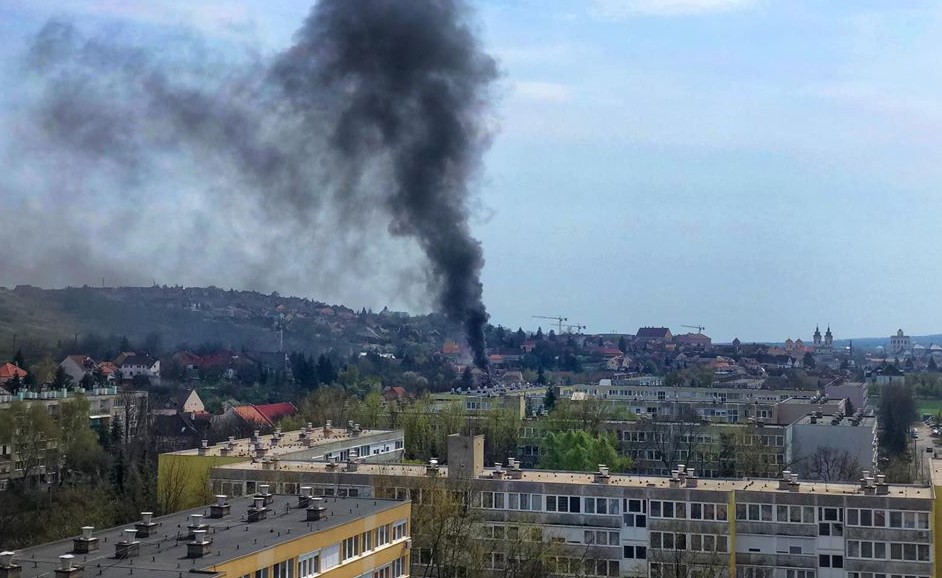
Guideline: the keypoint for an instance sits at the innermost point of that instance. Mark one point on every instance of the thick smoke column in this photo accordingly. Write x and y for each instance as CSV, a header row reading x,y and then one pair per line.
x,y
376,114
413,82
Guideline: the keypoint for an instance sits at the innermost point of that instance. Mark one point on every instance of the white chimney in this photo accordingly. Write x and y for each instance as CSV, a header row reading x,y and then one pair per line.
x,y
87,532
306,491
146,517
65,561
199,536
6,559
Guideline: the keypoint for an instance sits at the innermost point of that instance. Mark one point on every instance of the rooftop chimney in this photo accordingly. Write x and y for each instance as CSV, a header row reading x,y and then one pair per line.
x,y
264,493
220,508
200,546
128,546
602,476
204,445
256,436
86,542
66,569
691,478
146,526
431,469
9,569
304,500
315,511
785,480
258,511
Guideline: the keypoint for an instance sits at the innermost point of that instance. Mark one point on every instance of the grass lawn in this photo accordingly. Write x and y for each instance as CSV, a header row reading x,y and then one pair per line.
x,y
929,406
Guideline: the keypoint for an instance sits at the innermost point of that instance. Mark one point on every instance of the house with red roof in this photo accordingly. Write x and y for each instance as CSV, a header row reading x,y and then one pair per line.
x,y
9,371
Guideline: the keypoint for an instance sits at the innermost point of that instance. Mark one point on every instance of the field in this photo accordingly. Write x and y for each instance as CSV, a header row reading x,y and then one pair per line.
x,y
929,406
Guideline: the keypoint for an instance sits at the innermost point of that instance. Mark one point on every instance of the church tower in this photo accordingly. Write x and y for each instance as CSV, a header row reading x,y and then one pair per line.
x,y
817,337
828,339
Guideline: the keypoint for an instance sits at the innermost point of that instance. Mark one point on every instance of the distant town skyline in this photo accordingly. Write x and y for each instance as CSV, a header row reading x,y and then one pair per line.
x,y
754,167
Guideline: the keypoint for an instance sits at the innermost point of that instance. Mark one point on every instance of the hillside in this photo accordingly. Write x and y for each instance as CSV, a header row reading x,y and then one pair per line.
x,y
171,317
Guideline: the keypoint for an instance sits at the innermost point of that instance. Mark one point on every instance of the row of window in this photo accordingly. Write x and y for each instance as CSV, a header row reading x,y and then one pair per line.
x,y
397,568
601,538
769,572
501,532
888,550
691,542
887,519
318,561
881,575
698,510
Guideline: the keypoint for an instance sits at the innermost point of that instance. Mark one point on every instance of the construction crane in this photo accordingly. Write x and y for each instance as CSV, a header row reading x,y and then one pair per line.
x,y
559,321
699,328
577,327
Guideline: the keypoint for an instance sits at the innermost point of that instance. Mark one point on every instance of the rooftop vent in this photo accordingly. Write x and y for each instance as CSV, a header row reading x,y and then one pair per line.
x,y
515,472
257,511
8,568
304,500
66,569
128,546
146,526
221,508
200,545
263,492
602,476
785,480
316,509
86,542
256,436
432,468
691,478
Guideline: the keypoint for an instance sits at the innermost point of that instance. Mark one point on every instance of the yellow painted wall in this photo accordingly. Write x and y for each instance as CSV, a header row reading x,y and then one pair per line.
x,y
183,480
936,530
249,563
731,518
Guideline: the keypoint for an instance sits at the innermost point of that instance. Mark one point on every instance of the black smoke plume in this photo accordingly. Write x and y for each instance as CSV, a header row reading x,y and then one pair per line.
x,y
377,112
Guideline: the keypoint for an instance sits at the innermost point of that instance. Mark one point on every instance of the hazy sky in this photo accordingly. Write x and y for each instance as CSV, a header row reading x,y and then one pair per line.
x,y
756,167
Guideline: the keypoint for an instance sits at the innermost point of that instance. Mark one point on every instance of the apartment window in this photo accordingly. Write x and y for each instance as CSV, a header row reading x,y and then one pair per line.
x,y
830,514
635,552
753,571
601,538
707,511
399,530
382,535
309,565
367,540
660,509
636,520
330,557
350,547
635,506
261,573
793,573
830,529
283,569
830,561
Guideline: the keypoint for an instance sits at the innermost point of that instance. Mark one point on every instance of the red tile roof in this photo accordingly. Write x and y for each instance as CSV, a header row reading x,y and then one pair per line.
x,y
275,411
251,415
8,371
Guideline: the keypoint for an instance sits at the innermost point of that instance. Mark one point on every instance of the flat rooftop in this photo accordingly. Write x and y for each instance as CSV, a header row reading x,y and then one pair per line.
x,y
866,422
622,480
287,443
164,553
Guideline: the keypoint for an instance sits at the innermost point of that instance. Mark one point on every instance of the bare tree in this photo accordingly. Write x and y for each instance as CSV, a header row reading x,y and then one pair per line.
x,y
830,464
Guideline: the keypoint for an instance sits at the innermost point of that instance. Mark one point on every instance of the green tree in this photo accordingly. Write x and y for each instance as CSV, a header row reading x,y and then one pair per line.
x,y
897,411
580,451
30,431
549,400
78,443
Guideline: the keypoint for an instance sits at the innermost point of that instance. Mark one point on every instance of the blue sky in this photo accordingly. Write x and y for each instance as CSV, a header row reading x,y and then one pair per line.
x,y
756,167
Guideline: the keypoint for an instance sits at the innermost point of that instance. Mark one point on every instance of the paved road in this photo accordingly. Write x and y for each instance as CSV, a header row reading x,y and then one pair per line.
x,y
920,445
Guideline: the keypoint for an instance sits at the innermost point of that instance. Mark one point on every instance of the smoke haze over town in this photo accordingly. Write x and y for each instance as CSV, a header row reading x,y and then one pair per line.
x,y
756,168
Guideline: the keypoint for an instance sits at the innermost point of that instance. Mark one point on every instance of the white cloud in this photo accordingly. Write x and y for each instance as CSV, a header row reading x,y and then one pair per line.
x,y
621,9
